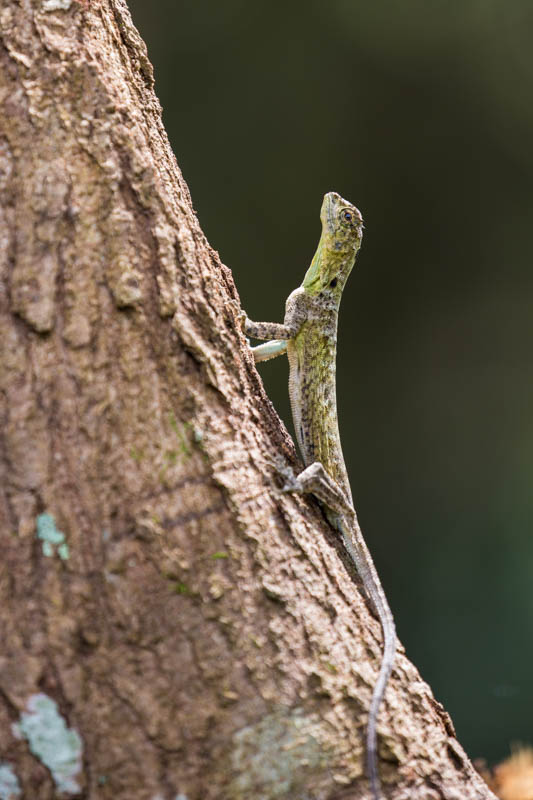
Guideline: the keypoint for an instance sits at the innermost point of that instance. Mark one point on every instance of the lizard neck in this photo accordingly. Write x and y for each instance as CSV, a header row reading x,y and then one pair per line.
x,y
329,271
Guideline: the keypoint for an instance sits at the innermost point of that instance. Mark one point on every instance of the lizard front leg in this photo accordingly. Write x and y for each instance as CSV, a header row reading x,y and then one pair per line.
x,y
268,350
278,333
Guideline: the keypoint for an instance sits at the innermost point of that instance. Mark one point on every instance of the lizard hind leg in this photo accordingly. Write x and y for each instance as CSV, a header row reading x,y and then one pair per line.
x,y
315,480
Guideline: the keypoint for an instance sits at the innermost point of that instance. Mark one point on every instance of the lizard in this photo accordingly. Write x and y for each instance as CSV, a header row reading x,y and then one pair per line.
x,y
308,335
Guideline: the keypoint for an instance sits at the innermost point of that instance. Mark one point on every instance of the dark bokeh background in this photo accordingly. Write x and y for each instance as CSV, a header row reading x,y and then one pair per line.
x,y
421,113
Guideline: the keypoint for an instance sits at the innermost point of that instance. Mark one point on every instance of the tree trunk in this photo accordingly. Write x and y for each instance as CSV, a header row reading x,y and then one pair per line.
x,y
172,625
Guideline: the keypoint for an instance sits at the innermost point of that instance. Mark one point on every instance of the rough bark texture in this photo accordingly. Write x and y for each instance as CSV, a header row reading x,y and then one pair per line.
x,y
171,624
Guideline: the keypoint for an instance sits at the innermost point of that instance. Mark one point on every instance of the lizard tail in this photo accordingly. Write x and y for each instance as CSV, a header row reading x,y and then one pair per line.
x,y
356,547
385,670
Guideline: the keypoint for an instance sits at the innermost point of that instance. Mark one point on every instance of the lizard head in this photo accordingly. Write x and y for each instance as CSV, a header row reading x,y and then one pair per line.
x,y
342,231
341,222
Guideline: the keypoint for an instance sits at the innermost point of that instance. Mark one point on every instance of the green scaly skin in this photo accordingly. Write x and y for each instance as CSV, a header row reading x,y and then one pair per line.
x,y
309,337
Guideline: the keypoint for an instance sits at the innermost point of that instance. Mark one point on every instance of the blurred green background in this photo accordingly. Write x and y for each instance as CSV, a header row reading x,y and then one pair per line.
x,y
421,113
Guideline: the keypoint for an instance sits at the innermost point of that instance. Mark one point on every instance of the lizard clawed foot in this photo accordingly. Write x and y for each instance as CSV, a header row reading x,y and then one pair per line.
x,y
284,471
239,313
291,486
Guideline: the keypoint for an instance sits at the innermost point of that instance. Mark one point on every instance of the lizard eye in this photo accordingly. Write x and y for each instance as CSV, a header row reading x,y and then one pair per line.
x,y
346,215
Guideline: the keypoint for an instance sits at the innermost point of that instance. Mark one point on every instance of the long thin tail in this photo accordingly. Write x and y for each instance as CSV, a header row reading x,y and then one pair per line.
x,y
360,555
387,662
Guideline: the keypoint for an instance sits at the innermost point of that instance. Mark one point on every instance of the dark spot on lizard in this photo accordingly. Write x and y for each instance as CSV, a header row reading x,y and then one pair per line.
x,y
333,283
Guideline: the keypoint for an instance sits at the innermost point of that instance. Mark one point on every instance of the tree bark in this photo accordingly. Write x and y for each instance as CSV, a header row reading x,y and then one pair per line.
x,y
171,624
